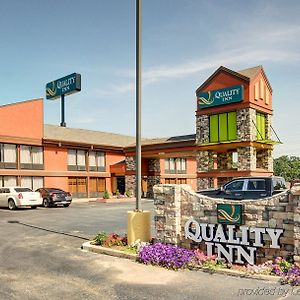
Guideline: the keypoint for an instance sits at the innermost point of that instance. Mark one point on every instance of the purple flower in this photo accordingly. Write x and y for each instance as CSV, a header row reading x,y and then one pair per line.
x,y
164,255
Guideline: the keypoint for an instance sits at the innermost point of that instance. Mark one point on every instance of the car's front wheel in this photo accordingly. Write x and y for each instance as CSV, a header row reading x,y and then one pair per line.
x,y
11,204
66,205
46,203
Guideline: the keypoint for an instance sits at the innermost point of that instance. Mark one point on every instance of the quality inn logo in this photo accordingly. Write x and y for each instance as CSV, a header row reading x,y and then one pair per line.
x,y
51,91
229,214
205,100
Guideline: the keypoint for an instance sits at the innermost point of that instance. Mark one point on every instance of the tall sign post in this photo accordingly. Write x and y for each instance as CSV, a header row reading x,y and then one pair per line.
x,y
67,85
138,220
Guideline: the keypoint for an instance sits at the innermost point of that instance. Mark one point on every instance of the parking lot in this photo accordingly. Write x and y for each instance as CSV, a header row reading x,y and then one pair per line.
x,y
40,258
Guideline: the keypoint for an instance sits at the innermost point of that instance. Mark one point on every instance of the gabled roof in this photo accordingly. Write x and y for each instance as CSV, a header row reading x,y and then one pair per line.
x,y
246,74
83,136
219,70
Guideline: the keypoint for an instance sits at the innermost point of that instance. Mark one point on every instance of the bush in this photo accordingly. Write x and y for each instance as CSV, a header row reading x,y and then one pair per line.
x,y
106,195
100,238
128,194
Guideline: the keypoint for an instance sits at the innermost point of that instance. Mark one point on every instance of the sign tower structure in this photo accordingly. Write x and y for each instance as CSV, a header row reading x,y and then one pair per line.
x,y
67,85
233,126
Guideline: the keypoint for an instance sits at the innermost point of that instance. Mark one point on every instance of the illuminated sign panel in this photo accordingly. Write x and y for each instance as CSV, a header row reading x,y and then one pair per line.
x,y
220,97
64,86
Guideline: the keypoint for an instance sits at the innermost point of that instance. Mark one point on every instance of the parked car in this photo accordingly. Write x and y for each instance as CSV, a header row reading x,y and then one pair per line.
x,y
15,197
55,197
248,188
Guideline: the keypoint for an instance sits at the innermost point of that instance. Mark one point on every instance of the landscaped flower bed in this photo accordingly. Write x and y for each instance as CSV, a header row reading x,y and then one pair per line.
x,y
174,257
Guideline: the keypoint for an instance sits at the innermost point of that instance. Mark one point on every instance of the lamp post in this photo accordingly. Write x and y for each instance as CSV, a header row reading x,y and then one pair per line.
x,y
138,150
138,222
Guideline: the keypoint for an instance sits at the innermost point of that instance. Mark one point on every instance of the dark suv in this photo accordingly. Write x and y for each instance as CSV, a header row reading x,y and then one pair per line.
x,y
55,197
248,188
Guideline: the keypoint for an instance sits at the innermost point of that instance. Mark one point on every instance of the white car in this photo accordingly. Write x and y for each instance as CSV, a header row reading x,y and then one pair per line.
x,y
14,197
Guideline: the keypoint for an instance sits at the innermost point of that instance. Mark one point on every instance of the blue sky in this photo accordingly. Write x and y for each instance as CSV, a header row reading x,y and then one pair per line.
x,y
184,41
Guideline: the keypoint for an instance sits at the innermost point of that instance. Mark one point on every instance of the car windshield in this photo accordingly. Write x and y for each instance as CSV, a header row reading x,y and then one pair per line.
x,y
55,191
22,190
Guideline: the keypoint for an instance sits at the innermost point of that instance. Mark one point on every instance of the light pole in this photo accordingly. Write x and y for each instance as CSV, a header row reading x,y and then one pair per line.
x,y
138,150
138,222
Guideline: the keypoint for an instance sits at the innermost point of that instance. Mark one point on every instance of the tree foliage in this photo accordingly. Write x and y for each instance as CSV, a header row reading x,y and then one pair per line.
x,y
287,166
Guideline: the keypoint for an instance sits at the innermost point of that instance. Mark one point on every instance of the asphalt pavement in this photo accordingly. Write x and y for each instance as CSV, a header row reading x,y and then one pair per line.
x,y
41,259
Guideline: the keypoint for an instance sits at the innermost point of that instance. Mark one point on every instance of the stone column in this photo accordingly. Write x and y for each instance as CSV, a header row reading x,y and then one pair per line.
x,y
130,181
202,129
296,202
246,158
205,163
153,177
245,120
167,201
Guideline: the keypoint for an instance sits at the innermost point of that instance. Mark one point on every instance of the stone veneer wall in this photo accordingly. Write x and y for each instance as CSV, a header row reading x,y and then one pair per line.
x,y
246,158
152,180
176,204
202,129
130,179
245,128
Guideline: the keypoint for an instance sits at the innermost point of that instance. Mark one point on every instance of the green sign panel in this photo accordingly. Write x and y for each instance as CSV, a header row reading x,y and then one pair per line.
x,y
63,86
229,214
220,97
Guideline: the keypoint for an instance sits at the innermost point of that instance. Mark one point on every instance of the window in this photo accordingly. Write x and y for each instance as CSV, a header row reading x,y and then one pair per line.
x,y
97,161
33,183
260,126
76,160
235,186
256,185
31,157
222,127
8,156
175,165
77,186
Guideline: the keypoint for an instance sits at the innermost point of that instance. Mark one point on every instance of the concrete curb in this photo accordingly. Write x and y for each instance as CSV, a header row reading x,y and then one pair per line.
x,y
236,273
87,246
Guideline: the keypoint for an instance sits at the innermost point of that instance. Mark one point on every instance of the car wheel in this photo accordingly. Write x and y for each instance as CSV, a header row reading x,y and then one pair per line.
x,y
11,204
66,205
46,203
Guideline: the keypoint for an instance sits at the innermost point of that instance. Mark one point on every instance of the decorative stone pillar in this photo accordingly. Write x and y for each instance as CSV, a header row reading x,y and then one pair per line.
x,y
130,181
268,127
296,202
205,163
246,158
245,120
202,129
153,177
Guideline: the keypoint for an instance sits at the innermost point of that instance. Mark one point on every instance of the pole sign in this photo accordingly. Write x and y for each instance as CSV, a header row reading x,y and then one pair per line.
x,y
63,86
220,97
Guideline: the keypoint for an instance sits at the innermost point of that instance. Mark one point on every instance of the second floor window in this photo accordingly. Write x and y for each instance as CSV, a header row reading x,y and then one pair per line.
x,y
260,126
8,156
76,160
222,127
97,161
175,165
31,157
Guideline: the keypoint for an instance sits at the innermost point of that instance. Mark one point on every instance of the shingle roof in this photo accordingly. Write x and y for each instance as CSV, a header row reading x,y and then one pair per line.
x,y
66,134
251,72
166,140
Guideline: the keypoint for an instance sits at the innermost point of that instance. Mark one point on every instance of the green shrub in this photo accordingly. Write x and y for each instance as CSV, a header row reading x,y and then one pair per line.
x,y
128,194
100,238
106,195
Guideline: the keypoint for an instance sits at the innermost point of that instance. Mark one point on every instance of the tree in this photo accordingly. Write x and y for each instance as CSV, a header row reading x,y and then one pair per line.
x,y
287,166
